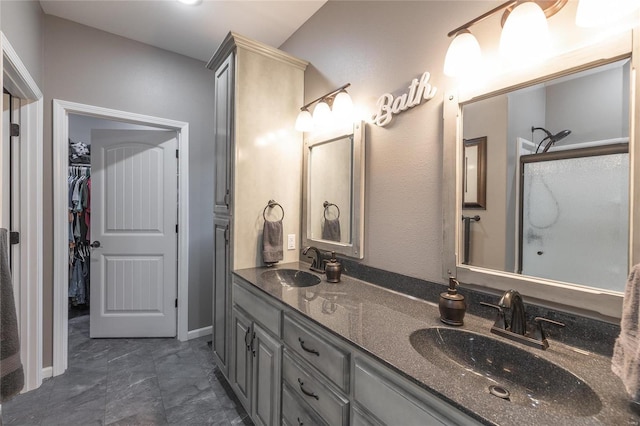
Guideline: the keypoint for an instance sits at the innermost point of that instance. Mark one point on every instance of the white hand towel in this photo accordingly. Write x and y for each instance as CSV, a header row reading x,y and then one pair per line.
x,y
626,352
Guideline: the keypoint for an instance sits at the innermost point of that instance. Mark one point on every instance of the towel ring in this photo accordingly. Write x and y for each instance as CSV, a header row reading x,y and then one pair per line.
x,y
326,205
271,204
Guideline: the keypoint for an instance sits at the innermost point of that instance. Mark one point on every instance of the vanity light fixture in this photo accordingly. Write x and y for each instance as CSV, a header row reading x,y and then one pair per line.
x,y
525,32
190,2
322,113
525,36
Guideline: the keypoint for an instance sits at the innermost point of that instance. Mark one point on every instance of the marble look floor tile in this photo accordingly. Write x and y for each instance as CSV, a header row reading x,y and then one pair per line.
x,y
78,389
130,382
137,393
180,392
140,419
74,416
194,409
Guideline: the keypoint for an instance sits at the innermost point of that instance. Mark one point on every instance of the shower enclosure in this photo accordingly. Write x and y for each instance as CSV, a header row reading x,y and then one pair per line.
x,y
574,216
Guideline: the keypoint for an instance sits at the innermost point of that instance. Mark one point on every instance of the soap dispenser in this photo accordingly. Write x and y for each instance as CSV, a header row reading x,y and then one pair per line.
x,y
452,305
333,269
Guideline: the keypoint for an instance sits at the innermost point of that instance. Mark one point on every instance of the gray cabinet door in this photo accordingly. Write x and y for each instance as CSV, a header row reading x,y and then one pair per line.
x,y
223,136
241,372
267,355
221,294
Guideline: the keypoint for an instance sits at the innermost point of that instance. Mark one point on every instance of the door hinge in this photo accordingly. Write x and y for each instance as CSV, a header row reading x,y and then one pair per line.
x,y
176,302
177,153
226,198
15,129
14,237
226,234
176,228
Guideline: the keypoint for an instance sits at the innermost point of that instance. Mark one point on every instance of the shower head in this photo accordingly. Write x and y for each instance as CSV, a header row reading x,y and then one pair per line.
x,y
555,138
552,139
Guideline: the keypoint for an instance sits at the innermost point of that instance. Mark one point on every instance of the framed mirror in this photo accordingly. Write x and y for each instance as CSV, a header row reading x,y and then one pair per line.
x,y
474,173
333,190
560,204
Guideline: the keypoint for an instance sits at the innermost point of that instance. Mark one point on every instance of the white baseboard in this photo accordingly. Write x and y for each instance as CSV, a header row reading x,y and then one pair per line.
x,y
47,372
204,331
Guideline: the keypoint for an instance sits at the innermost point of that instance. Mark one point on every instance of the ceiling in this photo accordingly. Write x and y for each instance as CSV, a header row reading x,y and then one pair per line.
x,y
194,31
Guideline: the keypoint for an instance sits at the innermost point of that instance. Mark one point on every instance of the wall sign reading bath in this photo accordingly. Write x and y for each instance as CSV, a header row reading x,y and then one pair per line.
x,y
387,106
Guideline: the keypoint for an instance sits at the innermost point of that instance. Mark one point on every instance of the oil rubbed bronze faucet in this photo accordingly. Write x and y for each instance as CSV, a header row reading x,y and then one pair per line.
x,y
316,256
512,300
515,327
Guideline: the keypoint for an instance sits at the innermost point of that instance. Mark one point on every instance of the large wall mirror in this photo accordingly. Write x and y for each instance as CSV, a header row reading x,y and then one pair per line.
x,y
333,193
559,213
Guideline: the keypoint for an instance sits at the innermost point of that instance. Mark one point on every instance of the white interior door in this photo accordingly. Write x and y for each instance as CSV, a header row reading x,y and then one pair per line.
x,y
133,218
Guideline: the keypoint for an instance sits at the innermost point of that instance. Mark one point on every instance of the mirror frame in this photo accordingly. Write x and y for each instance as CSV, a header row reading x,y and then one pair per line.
x,y
355,247
588,301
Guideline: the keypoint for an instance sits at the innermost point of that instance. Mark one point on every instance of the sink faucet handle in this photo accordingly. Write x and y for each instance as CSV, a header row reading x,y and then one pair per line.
x,y
539,333
500,322
490,305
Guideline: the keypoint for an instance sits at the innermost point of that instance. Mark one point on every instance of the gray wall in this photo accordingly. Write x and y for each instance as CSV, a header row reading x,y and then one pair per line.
x,y
21,22
593,107
487,237
93,67
80,127
380,47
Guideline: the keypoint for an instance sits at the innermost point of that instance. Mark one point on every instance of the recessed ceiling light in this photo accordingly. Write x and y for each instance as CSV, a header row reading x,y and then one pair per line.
x,y
191,2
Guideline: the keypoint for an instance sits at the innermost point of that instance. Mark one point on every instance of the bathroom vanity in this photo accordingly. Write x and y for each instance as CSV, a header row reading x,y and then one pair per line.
x,y
355,353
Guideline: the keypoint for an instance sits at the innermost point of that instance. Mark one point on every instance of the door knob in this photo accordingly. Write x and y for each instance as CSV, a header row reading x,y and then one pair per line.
x,y
95,244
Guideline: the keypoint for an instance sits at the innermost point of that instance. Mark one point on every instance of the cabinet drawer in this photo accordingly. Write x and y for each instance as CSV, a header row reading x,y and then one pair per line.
x,y
268,315
318,351
333,408
395,401
295,412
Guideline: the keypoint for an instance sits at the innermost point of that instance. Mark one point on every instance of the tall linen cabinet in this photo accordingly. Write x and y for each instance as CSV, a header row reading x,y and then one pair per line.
x,y
258,157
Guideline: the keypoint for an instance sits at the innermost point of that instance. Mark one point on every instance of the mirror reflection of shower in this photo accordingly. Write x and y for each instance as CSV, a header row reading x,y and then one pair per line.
x,y
550,139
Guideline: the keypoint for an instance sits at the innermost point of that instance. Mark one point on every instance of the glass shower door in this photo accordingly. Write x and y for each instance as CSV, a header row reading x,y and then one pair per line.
x,y
574,218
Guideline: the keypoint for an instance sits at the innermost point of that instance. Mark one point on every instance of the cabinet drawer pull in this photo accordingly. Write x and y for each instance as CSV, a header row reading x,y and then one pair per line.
x,y
246,335
311,351
306,392
253,338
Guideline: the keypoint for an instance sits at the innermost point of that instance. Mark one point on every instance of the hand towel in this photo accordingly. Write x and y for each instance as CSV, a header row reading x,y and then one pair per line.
x,y
625,362
272,242
331,230
11,372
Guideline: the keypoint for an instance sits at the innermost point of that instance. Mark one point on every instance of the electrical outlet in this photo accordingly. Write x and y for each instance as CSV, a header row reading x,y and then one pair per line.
x,y
291,242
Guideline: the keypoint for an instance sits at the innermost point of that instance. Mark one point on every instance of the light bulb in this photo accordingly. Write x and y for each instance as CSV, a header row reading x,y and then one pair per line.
x,y
525,37
463,56
304,122
343,107
321,116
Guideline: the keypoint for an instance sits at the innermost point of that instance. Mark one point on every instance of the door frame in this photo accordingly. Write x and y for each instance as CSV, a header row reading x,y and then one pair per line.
x,y
61,111
17,79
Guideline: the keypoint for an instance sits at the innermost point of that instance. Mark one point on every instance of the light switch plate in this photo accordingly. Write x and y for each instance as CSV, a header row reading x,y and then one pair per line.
x,y
291,242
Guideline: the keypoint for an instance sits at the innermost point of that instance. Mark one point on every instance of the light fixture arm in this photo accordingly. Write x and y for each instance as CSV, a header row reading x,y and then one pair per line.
x,y
482,17
325,96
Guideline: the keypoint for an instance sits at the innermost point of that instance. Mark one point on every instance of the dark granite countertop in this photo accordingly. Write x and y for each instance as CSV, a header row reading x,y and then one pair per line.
x,y
380,322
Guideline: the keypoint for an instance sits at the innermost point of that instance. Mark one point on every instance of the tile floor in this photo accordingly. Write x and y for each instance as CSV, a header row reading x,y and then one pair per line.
x,y
130,382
